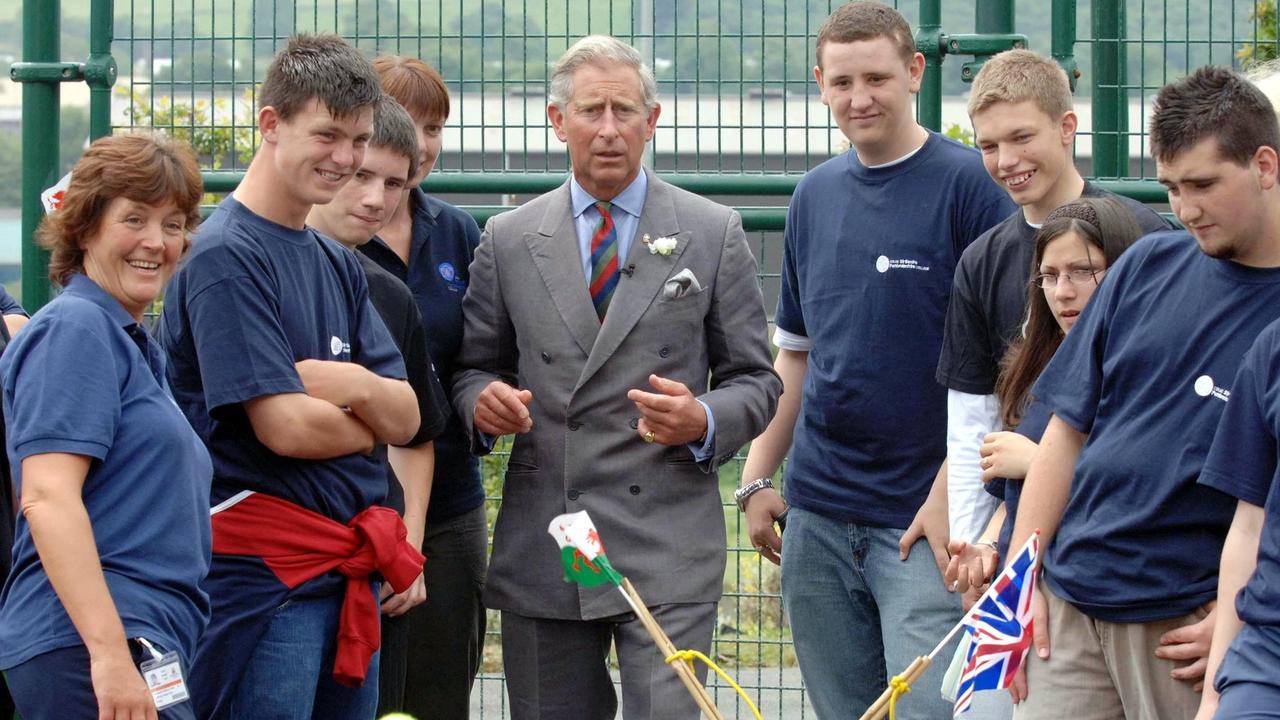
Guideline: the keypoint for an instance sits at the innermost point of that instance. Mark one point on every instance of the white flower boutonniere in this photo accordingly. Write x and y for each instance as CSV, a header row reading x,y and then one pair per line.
x,y
661,246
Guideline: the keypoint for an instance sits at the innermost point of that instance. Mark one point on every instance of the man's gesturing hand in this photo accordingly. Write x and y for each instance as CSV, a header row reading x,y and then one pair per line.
x,y
502,410
672,414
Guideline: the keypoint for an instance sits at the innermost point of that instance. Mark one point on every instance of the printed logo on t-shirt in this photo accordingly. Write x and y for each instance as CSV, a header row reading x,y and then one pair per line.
x,y
337,346
1204,387
884,264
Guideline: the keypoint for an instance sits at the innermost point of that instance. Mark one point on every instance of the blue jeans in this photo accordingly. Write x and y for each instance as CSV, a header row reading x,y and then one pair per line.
x,y
859,614
290,674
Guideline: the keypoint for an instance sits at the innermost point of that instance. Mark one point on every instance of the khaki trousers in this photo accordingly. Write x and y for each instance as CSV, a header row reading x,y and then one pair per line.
x,y
1105,671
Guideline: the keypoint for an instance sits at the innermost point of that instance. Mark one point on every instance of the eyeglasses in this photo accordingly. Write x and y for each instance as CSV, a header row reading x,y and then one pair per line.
x,y
1081,276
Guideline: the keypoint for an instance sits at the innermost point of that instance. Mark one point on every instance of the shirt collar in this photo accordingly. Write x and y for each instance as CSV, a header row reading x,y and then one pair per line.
x,y
81,286
630,200
423,206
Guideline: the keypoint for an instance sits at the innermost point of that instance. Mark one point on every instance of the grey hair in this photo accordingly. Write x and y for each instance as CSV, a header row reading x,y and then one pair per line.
x,y
1266,76
600,50
393,130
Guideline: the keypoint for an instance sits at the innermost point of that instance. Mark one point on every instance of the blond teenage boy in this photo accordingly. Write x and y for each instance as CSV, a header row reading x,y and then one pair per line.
x,y
1024,124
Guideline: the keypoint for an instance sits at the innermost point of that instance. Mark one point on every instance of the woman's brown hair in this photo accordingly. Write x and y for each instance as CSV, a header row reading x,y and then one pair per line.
x,y
415,85
143,167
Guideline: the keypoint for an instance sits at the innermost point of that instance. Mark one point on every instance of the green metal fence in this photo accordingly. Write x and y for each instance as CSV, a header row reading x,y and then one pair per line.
x,y
740,122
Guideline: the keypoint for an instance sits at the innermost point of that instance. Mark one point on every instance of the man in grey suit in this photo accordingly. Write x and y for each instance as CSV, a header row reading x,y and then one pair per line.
x,y
616,327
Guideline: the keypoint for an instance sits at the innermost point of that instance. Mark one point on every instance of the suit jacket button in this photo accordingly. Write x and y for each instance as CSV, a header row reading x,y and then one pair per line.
x,y
635,489
573,426
665,351
546,358
635,423
573,494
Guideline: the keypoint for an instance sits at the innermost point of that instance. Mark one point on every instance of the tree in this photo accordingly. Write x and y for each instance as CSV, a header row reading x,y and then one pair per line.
x,y
1263,48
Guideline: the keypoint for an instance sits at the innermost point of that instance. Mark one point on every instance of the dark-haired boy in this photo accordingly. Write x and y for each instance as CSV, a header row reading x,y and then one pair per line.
x,y
1136,390
1024,124
281,364
871,245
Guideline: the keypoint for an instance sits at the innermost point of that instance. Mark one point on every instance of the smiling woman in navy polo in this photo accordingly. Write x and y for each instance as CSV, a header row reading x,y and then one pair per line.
x,y
113,539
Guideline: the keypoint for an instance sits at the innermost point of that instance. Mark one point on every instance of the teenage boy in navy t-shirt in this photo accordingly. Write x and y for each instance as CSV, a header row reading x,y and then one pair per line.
x,y
289,376
1023,122
871,244
1136,390
1243,464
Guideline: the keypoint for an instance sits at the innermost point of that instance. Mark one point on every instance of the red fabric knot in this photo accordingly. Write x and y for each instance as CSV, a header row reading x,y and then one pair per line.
x,y
298,545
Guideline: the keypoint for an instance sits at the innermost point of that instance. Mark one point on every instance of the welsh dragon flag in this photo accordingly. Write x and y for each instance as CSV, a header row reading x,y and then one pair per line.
x,y
581,551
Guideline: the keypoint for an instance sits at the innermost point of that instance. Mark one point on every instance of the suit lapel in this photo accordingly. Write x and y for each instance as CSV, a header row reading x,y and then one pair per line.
x,y
554,248
637,290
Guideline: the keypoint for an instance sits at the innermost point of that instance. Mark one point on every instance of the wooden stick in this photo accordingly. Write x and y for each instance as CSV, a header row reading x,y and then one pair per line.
x,y
880,707
668,649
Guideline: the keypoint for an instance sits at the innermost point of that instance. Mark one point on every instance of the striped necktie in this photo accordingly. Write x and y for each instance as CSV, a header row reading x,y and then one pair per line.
x,y
604,261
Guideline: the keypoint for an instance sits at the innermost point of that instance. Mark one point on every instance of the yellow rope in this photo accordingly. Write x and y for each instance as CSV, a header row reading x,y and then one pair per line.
x,y
900,687
690,655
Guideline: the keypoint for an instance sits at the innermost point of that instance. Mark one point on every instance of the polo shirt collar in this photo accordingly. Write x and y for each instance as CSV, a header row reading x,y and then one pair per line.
x,y
630,200
81,286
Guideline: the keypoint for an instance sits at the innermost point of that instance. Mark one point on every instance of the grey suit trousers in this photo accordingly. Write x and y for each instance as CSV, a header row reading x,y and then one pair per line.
x,y
556,669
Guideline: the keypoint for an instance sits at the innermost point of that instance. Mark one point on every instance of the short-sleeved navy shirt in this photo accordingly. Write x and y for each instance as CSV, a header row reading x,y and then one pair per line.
x,y
868,259
1145,373
8,306
85,378
1034,420
398,310
989,297
253,299
442,245
1244,463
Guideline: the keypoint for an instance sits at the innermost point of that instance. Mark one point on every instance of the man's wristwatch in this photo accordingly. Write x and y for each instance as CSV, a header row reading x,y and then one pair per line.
x,y
741,494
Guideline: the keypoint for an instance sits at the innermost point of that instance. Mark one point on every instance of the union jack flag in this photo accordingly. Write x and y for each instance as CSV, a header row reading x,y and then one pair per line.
x,y
999,627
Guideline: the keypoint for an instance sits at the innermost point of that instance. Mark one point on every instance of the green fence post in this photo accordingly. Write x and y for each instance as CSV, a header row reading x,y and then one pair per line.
x,y
929,43
100,70
1110,106
41,26
1063,39
993,16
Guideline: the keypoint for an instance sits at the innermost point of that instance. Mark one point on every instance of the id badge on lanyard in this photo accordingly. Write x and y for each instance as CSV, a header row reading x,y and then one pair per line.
x,y
163,673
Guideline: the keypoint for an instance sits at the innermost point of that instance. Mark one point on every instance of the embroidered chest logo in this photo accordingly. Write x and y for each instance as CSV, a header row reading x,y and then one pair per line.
x,y
450,275
337,346
1204,387
884,264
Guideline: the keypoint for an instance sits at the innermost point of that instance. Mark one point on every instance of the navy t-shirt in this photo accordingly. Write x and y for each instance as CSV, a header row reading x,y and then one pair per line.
x,y
1243,464
1145,373
867,265
253,299
442,245
1034,420
85,378
8,306
989,297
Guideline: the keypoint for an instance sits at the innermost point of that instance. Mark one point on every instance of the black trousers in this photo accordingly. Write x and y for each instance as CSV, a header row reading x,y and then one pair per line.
x,y
431,654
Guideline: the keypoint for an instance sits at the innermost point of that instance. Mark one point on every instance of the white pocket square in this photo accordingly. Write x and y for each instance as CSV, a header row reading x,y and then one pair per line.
x,y
681,284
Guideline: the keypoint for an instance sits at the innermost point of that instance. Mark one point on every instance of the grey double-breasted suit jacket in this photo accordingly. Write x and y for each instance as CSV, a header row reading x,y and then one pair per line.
x,y
529,321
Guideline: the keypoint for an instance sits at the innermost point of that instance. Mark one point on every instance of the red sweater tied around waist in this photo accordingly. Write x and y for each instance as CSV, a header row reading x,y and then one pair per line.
x,y
298,544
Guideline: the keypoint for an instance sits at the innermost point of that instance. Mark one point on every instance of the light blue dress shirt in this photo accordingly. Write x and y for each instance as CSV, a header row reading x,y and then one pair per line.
x,y
626,208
